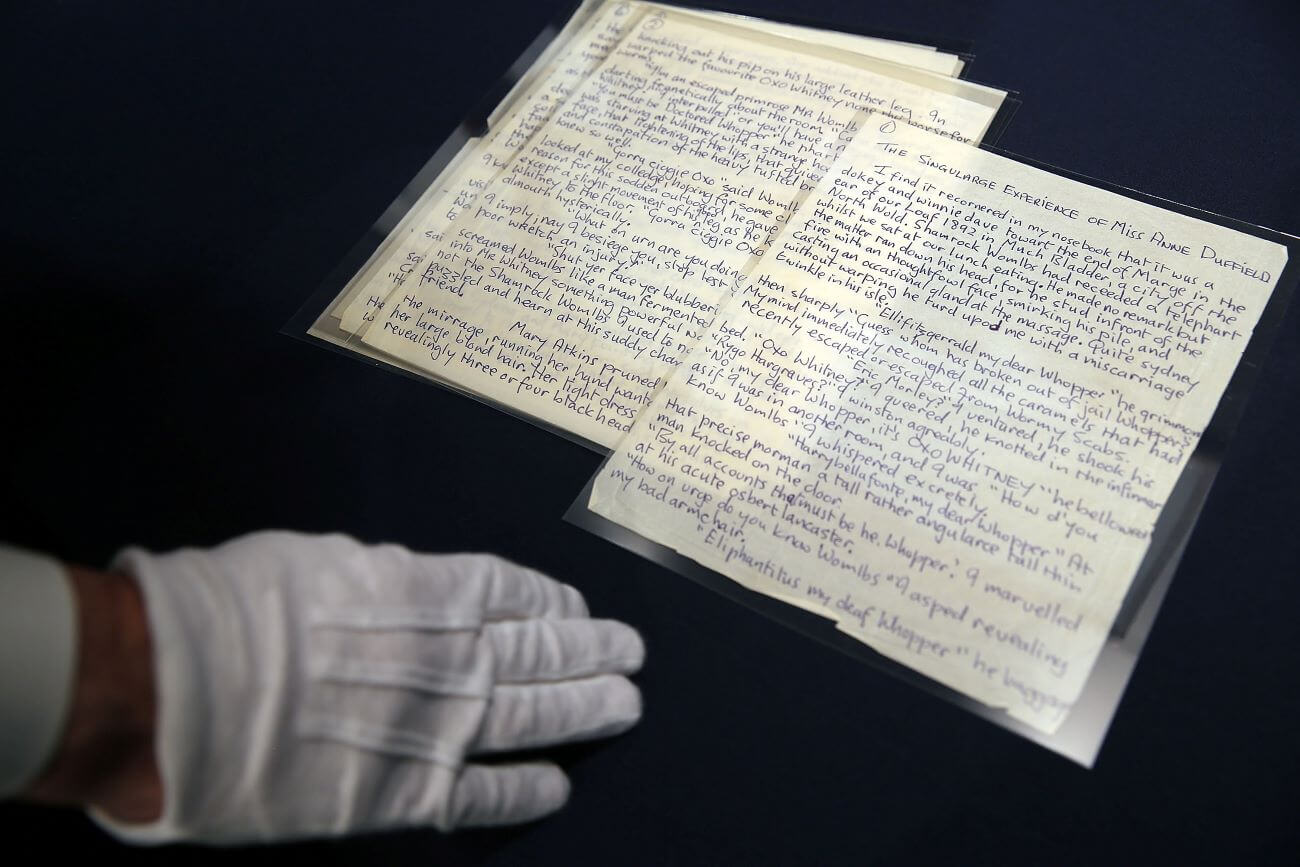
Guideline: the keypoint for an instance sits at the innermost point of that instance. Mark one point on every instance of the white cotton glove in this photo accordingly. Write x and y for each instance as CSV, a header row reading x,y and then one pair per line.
x,y
312,686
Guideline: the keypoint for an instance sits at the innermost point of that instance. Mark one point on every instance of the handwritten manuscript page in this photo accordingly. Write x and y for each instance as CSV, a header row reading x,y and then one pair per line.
x,y
584,42
946,410
513,124
582,273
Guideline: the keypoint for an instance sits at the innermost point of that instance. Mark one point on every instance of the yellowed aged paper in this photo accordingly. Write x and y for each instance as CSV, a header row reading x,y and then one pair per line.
x,y
576,49
946,410
580,46
925,57
595,258
583,43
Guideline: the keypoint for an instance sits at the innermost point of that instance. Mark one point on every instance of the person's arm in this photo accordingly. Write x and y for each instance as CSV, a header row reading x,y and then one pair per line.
x,y
283,686
105,754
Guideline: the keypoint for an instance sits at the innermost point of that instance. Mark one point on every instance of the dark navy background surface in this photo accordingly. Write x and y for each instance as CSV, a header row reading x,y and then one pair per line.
x,y
177,178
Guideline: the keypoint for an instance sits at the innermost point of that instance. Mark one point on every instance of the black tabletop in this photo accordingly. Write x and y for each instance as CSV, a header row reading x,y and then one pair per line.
x,y
179,177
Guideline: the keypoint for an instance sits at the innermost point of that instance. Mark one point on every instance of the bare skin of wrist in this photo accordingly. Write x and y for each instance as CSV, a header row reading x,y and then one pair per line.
x,y
106,756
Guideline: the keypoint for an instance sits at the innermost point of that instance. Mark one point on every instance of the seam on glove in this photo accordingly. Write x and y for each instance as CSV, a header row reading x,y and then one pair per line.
x,y
594,668
474,684
392,618
378,739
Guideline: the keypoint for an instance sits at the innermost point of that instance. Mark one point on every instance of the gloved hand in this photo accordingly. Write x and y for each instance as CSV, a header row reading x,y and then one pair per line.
x,y
313,686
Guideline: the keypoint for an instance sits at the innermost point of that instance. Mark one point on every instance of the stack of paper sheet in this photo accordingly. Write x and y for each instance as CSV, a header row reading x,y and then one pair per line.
x,y
840,353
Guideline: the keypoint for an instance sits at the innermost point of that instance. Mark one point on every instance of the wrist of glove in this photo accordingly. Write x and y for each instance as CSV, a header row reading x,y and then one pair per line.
x,y
313,686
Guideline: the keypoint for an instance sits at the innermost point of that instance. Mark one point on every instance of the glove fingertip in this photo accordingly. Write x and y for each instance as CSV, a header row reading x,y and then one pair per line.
x,y
627,647
516,591
573,603
553,787
625,706
488,796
